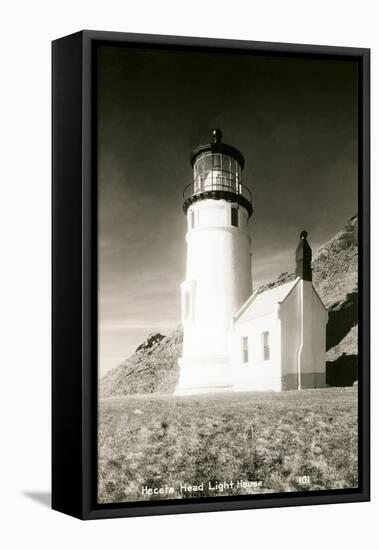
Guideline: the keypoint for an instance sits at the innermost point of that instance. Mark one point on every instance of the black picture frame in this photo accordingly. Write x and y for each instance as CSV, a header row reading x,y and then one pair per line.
x,y
74,273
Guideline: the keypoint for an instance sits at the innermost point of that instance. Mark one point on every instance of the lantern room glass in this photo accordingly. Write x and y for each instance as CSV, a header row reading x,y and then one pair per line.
x,y
217,172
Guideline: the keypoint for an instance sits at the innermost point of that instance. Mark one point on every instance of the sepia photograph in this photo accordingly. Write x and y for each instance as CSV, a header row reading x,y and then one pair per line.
x,y
227,215
187,303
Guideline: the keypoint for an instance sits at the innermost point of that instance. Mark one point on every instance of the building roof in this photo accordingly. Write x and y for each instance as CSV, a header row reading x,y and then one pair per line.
x,y
264,303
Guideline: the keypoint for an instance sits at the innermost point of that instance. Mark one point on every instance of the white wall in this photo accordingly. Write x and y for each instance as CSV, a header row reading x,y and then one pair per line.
x,y
297,342
290,314
218,261
303,347
27,30
312,353
218,277
258,374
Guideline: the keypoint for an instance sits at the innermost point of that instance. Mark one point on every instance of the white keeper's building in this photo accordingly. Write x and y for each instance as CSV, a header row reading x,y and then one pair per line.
x,y
236,339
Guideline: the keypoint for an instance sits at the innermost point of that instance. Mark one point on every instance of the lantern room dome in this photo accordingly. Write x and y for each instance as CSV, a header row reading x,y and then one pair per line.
x,y
217,146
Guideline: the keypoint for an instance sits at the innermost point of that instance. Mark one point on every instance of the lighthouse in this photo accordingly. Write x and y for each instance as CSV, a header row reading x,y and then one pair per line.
x,y
218,273
234,339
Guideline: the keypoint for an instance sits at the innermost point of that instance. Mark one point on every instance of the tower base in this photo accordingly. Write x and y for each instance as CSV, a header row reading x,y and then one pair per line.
x,y
199,376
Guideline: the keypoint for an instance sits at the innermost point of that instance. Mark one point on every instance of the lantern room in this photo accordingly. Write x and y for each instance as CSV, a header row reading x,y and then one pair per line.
x,y
217,174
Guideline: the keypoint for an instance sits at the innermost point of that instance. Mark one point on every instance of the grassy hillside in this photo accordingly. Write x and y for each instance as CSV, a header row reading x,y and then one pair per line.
x,y
153,368
275,438
334,266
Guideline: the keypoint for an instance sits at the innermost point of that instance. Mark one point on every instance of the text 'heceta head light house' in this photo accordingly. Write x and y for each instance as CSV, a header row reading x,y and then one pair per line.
x,y
233,339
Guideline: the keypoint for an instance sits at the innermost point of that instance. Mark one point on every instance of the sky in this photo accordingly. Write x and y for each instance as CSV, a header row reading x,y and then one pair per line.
x,y
294,120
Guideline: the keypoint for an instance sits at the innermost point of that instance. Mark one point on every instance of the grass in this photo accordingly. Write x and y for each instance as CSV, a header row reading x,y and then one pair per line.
x,y
276,438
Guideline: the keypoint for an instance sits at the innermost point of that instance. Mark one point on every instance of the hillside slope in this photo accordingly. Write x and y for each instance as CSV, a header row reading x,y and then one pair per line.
x,y
153,368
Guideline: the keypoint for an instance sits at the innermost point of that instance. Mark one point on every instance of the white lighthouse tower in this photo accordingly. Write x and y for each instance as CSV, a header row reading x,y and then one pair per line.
x,y
218,278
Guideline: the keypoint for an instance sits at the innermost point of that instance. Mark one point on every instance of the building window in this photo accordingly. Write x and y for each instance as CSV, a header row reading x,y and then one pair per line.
x,y
192,219
234,216
266,345
245,349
